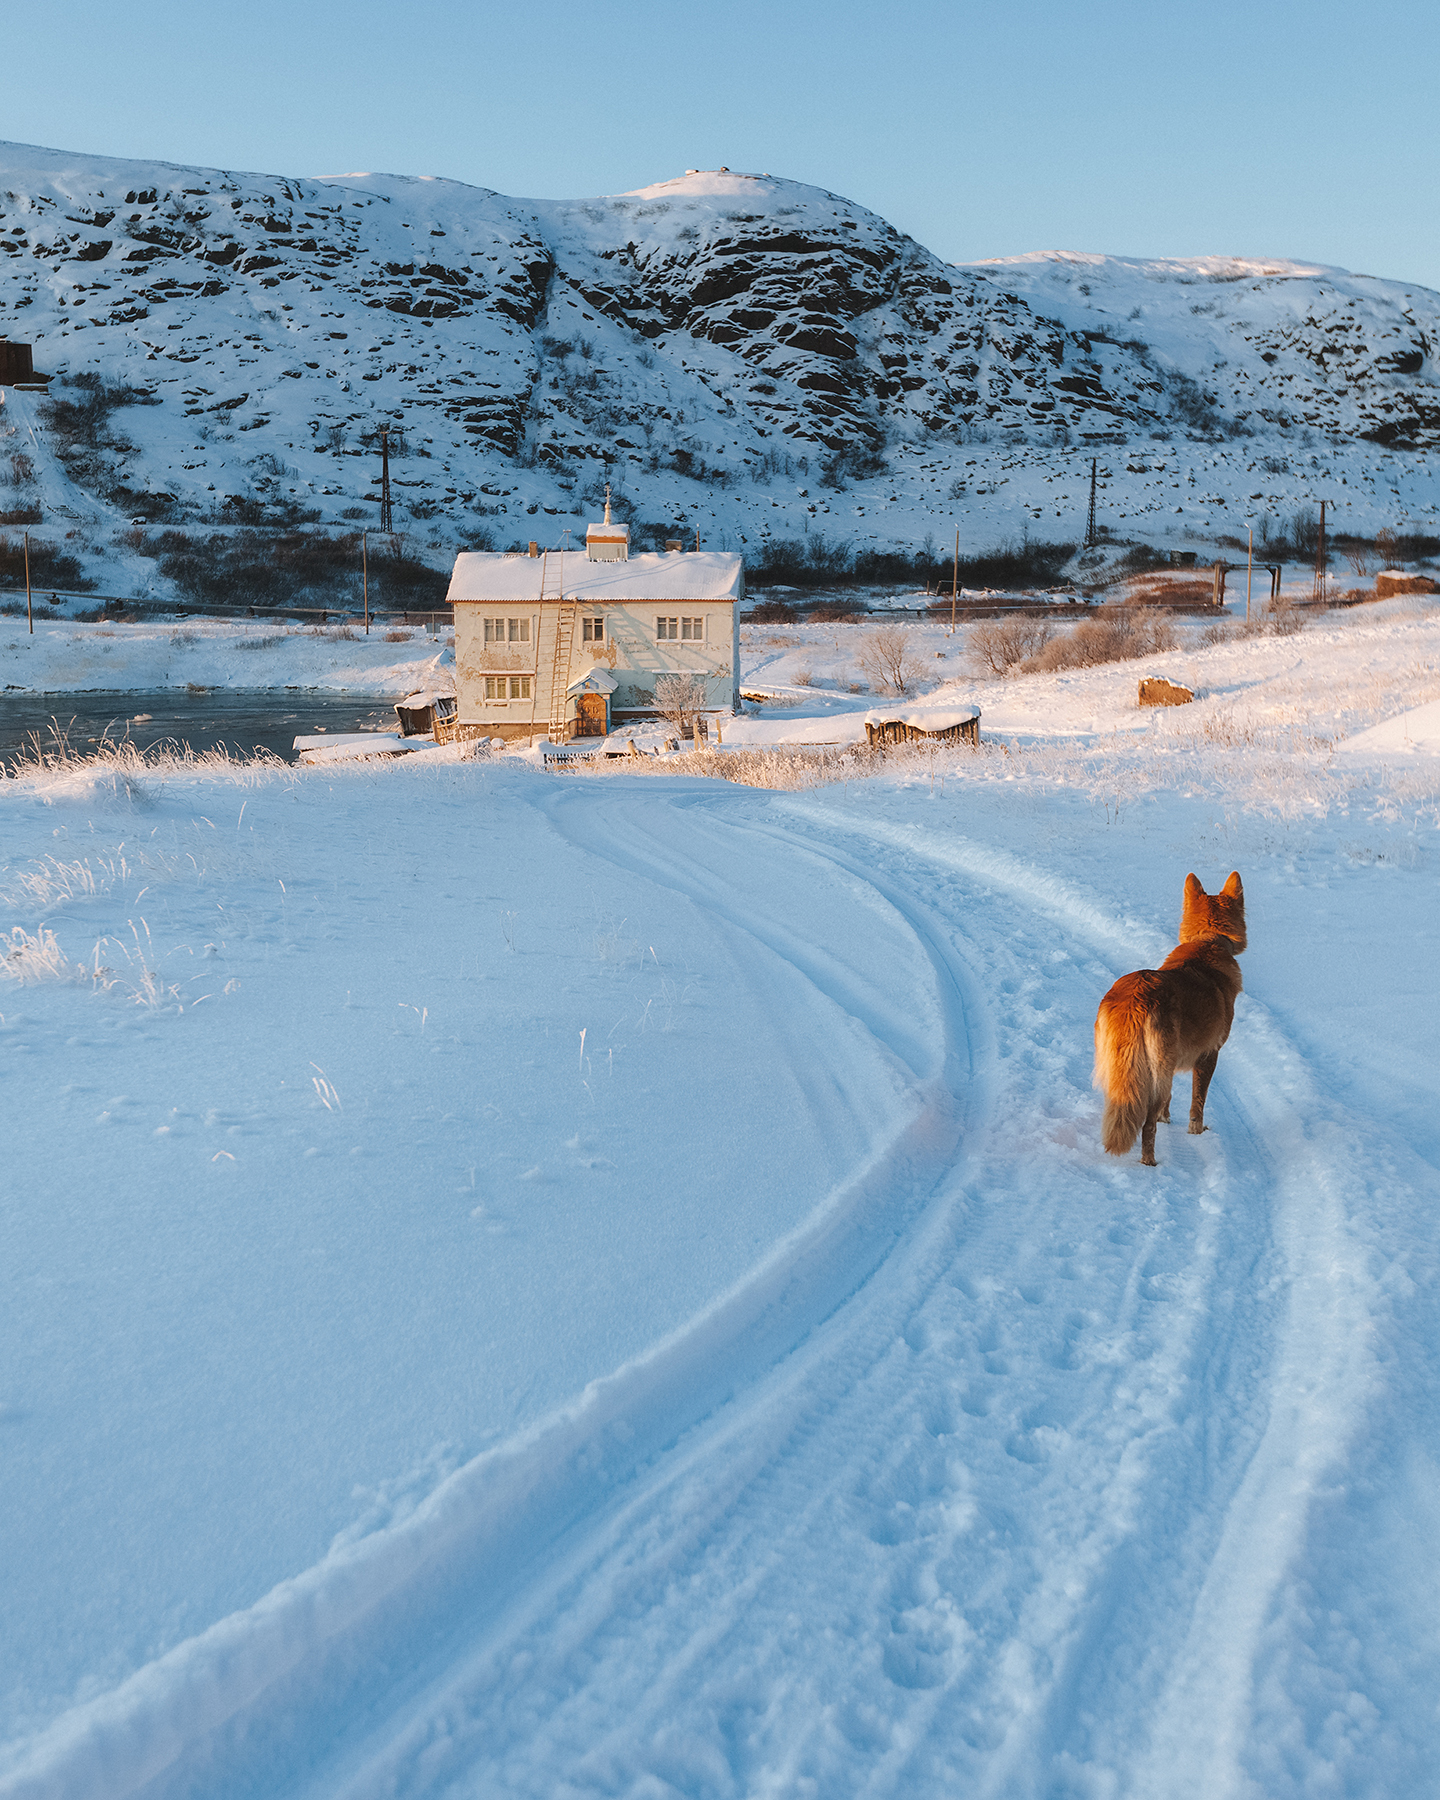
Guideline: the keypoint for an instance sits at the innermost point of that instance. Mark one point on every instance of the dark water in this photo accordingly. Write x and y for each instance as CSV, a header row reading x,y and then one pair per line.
x,y
243,723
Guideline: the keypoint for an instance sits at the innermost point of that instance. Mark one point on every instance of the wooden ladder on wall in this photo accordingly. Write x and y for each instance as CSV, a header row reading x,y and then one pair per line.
x,y
558,721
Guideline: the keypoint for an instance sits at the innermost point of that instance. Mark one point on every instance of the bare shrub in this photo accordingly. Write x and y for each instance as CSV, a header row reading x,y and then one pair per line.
x,y
681,697
1388,547
1282,619
804,677
1358,556
999,645
1117,634
397,637
887,657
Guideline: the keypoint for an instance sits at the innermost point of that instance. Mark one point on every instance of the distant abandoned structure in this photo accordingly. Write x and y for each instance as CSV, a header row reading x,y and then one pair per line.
x,y
919,724
569,645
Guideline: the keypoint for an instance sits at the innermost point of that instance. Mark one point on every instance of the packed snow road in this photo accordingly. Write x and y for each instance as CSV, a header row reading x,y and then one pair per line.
x,y
845,1423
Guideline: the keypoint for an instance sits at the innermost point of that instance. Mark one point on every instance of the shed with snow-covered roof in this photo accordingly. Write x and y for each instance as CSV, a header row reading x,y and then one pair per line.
x,y
531,631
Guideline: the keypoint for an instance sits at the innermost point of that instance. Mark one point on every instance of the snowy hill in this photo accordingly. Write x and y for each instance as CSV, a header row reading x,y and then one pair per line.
x,y
738,352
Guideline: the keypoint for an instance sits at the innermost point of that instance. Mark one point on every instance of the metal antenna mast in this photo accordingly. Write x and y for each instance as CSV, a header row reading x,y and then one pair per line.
x,y
1090,522
386,519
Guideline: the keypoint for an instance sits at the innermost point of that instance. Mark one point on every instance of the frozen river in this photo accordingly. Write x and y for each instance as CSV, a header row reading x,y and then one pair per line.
x,y
253,719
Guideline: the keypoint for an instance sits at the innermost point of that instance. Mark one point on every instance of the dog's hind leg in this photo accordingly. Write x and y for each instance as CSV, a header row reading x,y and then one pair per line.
x,y
1147,1134
1164,1115
1204,1069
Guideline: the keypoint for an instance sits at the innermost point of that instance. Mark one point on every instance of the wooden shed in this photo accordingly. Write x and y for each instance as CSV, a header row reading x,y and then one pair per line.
x,y
911,725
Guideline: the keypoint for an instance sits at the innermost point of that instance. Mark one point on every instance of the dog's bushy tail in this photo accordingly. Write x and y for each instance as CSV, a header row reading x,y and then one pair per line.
x,y
1124,1072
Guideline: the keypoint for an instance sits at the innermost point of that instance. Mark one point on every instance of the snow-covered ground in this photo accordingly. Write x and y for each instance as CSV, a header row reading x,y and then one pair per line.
x,y
551,1285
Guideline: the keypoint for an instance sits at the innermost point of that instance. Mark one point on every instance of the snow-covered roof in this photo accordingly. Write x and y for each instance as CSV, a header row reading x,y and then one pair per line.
x,y
482,575
923,718
594,681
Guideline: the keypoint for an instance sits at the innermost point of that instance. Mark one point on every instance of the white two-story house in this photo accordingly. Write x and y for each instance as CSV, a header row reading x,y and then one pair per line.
x,y
565,645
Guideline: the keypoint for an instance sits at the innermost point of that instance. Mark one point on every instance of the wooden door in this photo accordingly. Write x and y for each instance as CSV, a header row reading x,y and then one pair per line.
x,y
590,716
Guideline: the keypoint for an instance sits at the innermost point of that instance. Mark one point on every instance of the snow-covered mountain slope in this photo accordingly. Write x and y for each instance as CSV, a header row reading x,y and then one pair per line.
x,y
737,351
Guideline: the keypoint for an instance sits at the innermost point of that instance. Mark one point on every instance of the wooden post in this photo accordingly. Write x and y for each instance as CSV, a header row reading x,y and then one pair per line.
x,y
365,580
955,581
29,614
697,537
1249,573
1317,592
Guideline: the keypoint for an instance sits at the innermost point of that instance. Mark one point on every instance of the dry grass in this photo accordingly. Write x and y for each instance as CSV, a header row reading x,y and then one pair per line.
x,y
1115,634
397,637
30,958
780,768
51,754
1169,590
802,767
1283,620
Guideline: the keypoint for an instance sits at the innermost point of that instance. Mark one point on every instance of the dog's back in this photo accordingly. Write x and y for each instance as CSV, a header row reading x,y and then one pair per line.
x,y
1156,1021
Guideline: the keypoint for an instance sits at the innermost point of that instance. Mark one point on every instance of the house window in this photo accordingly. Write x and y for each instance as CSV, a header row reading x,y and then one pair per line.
x,y
507,687
692,631
667,630
592,631
507,631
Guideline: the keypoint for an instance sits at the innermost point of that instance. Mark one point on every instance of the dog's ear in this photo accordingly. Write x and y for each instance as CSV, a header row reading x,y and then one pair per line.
x,y
1193,890
1232,887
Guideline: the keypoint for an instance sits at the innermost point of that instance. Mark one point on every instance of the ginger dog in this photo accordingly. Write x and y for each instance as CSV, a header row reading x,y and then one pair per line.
x,y
1156,1021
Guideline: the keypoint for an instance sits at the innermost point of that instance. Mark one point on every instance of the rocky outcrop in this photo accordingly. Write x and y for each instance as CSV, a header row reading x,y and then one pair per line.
x,y
712,327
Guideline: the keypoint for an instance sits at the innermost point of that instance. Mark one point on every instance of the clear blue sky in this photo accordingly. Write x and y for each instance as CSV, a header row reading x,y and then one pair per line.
x,y
1146,129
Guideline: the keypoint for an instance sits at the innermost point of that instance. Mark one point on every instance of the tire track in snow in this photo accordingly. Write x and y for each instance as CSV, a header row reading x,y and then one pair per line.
x,y
1107,1654
1310,1397
263,1692
1007,1516
727,1491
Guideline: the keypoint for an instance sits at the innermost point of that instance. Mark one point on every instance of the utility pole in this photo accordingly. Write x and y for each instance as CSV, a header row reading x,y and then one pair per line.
x,y
955,581
365,579
386,521
1090,522
29,614
1249,573
1318,592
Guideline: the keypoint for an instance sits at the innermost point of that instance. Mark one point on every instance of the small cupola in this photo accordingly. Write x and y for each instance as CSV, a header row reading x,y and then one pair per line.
x,y
607,542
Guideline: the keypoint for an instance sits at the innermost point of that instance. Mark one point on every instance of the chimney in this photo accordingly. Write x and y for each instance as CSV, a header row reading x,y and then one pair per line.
x,y
534,548
607,542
